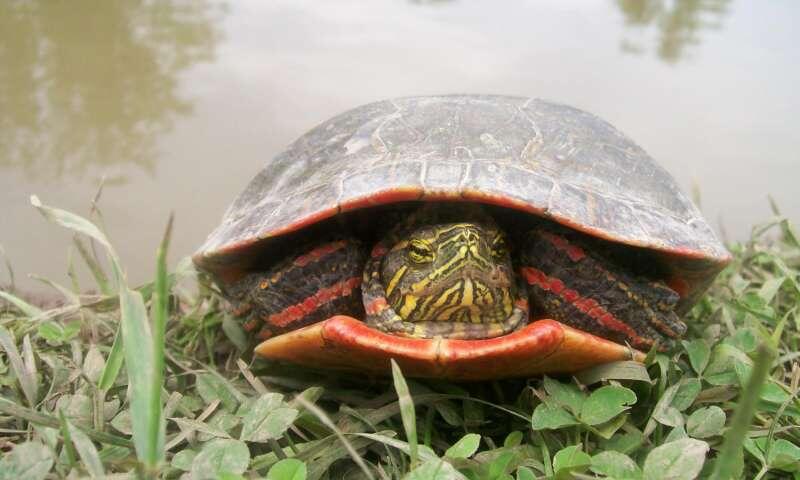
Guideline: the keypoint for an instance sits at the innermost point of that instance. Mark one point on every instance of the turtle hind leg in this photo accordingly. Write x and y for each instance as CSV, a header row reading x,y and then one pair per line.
x,y
569,282
314,283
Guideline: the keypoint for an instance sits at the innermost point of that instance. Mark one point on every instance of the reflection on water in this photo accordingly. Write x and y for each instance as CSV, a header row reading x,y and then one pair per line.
x,y
86,82
678,24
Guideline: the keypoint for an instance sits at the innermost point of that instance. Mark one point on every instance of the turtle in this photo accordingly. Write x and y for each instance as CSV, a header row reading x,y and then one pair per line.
x,y
467,237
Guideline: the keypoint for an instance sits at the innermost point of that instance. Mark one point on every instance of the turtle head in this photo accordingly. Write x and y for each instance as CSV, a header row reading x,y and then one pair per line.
x,y
450,272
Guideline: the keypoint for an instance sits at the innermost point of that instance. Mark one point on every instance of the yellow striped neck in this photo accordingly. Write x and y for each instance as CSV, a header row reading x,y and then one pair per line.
x,y
453,272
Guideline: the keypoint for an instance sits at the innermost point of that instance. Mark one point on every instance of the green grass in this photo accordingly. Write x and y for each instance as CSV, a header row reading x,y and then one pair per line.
x,y
157,382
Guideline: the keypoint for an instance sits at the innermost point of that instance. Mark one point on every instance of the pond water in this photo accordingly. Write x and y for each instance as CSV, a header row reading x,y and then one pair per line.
x,y
177,105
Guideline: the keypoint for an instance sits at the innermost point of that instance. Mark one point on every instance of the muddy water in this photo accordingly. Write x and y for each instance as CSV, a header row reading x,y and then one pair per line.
x,y
176,105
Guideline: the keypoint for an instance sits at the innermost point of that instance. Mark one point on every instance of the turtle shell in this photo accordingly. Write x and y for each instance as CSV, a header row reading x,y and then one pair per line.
x,y
529,155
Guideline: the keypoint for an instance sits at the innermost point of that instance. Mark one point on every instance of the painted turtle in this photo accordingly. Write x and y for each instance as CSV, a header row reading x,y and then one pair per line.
x,y
468,237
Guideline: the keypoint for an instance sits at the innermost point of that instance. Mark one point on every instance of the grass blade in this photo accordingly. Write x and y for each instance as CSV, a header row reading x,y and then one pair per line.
x,y
10,408
73,222
328,423
25,307
94,266
185,432
159,307
113,363
66,434
26,378
29,362
9,268
623,370
68,294
137,342
79,224
425,453
407,412
71,273
138,345
86,450
729,459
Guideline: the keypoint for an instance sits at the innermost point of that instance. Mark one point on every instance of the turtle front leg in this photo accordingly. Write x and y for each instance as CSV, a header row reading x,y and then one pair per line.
x,y
314,283
580,288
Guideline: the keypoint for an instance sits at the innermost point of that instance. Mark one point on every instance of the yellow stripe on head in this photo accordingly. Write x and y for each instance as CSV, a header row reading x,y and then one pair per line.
x,y
409,303
396,278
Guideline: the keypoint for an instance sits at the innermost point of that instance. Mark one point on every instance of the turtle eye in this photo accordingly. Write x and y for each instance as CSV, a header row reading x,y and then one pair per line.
x,y
419,251
499,248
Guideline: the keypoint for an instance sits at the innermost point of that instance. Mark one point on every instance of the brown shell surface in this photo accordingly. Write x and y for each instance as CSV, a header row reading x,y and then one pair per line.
x,y
532,155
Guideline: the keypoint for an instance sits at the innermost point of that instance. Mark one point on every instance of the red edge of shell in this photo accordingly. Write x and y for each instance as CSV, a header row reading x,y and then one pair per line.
x,y
388,196
345,343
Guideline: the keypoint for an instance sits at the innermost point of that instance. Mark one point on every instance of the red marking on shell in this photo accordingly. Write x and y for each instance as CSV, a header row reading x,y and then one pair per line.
x,y
441,195
521,303
379,250
343,342
371,349
589,306
319,253
383,197
300,224
501,200
300,310
376,306
574,252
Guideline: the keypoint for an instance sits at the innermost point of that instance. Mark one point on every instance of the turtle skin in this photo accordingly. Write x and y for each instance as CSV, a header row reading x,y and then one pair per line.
x,y
313,283
561,274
